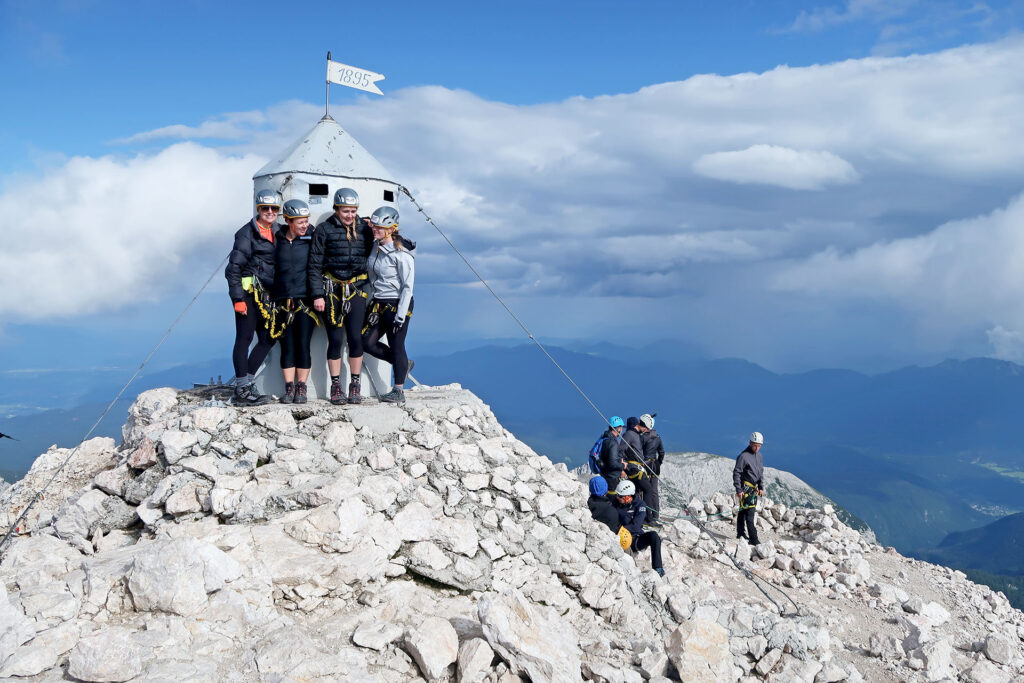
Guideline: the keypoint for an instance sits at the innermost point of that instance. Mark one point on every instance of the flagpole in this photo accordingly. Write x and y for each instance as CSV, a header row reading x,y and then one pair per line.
x,y
327,87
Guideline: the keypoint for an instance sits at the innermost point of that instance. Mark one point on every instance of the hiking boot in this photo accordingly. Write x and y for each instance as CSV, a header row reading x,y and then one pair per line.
x,y
337,395
660,570
289,393
396,395
355,392
300,392
248,395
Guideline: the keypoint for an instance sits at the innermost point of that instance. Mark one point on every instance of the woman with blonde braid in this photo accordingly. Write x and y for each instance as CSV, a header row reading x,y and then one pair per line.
x,y
338,284
391,268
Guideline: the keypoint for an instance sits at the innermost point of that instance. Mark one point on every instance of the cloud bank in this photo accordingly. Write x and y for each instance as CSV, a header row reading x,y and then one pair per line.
x,y
875,188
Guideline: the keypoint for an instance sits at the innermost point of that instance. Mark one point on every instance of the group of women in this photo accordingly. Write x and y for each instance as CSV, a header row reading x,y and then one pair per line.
x,y
352,275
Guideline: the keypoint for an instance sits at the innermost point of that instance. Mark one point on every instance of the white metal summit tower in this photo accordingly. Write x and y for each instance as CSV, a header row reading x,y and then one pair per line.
x,y
324,160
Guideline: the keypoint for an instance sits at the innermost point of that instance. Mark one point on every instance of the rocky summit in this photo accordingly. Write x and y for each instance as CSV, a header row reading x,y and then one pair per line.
x,y
426,542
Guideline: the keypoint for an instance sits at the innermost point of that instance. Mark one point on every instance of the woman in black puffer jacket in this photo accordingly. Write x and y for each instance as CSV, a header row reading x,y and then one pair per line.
x,y
250,273
291,296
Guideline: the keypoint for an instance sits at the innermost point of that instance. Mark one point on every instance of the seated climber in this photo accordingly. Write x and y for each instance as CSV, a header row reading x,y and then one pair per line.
x,y
624,514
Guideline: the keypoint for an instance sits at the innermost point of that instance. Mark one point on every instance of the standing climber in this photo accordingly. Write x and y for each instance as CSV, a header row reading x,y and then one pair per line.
x,y
654,456
339,285
610,458
746,479
391,268
632,515
250,275
636,468
293,318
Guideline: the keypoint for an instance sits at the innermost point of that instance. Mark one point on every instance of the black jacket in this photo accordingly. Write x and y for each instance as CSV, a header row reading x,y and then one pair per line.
x,y
632,515
749,467
334,253
251,254
290,259
603,510
654,450
611,458
631,437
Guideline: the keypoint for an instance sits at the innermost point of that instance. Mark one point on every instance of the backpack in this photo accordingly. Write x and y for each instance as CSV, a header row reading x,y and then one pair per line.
x,y
595,456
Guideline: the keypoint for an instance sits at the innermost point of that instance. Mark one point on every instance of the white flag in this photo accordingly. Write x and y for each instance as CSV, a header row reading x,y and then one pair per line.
x,y
353,77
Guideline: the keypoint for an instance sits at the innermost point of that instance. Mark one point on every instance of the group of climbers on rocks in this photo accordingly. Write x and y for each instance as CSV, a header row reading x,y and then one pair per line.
x,y
352,275
626,463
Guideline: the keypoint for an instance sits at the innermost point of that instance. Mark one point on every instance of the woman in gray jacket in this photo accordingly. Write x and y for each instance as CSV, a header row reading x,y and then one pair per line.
x,y
391,269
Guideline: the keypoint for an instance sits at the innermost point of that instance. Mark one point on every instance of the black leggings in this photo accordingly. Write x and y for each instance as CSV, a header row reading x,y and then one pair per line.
x,y
350,330
649,539
394,351
246,362
295,342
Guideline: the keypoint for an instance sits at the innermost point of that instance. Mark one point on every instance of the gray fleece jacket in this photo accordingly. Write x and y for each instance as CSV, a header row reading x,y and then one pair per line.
x,y
391,274
749,467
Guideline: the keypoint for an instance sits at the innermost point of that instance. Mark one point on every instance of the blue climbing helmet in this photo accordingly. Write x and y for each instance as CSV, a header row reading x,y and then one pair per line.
x,y
598,486
616,421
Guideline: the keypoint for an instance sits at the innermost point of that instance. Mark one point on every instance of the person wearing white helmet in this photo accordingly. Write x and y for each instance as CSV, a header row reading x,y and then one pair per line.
x,y
632,515
747,480
293,320
339,285
250,274
391,268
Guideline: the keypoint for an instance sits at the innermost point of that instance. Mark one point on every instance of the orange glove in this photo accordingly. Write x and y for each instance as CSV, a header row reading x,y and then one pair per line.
x,y
240,307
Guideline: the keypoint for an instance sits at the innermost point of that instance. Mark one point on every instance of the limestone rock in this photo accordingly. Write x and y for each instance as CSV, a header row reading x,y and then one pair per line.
x,y
699,649
15,628
107,655
530,642
434,645
998,649
475,657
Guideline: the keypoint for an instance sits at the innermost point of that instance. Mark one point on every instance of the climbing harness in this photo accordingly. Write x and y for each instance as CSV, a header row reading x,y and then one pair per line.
x,y
637,471
349,290
268,309
374,311
748,497
40,493
754,578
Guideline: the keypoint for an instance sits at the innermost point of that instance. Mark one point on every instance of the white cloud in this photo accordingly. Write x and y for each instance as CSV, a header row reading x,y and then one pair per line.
x,y
602,197
781,166
1006,344
96,234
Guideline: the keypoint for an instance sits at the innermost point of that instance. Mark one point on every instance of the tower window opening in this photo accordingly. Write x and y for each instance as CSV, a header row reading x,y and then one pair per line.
x,y
389,196
318,189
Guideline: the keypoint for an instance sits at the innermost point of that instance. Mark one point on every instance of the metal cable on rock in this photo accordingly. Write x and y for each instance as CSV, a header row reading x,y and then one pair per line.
x,y
521,324
110,406
753,578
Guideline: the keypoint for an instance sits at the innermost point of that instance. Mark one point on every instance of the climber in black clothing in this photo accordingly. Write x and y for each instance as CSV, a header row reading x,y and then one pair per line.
x,y
291,294
339,286
611,455
622,510
250,274
746,479
637,469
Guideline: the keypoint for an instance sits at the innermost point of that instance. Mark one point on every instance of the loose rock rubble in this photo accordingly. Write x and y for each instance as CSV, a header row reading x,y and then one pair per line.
x,y
426,542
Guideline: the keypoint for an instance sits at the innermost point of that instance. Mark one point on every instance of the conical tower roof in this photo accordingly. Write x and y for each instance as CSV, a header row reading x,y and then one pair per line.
x,y
327,150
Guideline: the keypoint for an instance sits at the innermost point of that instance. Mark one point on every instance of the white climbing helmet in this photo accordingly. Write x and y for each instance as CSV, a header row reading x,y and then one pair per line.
x,y
647,420
625,488
757,437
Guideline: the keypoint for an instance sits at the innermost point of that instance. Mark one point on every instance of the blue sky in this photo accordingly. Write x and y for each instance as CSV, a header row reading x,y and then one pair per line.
x,y
800,184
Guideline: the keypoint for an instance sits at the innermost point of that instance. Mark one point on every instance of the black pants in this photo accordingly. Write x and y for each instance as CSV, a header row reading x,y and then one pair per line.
x,y
645,487
350,330
747,517
248,362
612,480
649,539
394,351
295,342
654,504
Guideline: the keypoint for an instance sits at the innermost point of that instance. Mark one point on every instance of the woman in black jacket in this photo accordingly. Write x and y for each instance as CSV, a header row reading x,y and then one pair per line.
x,y
293,317
339,288
250,275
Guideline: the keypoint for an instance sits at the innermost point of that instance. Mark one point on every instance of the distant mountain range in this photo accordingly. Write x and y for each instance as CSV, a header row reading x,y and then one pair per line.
x,y
917,453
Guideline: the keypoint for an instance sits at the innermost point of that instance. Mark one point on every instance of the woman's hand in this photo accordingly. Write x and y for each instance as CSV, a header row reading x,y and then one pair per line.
x,y
318,305
240,308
